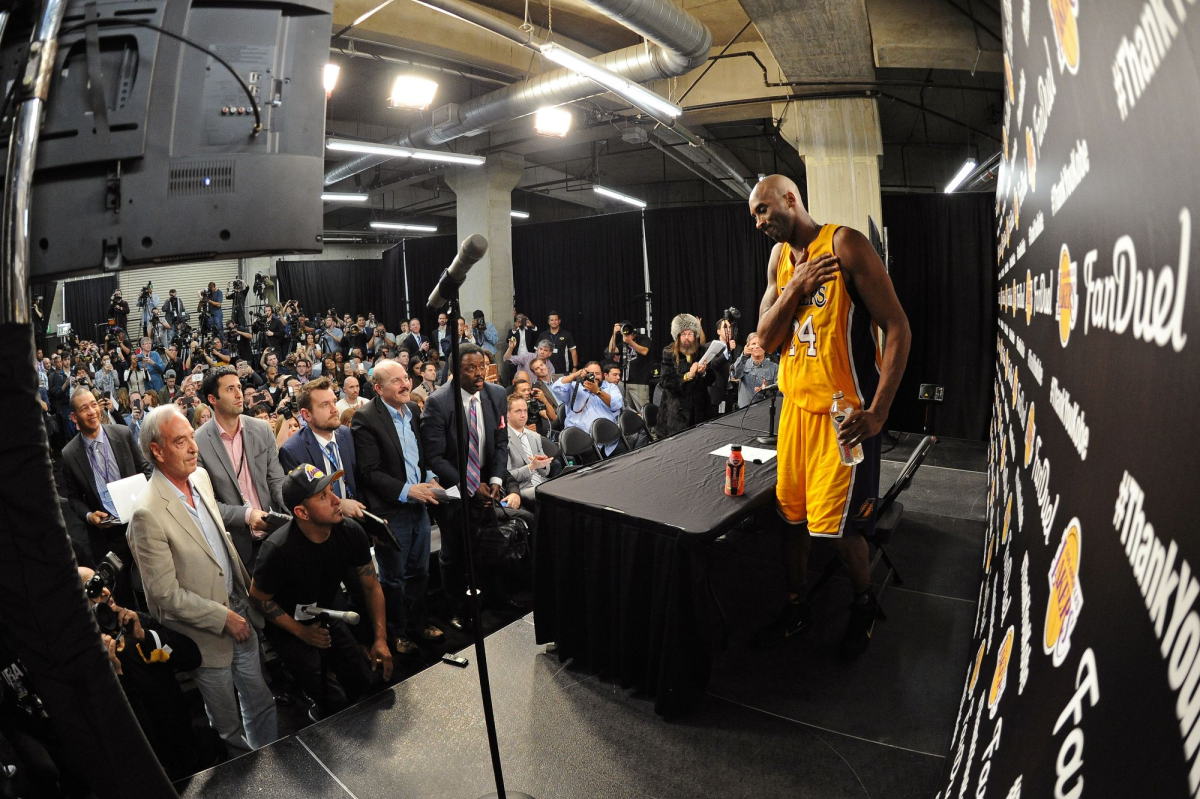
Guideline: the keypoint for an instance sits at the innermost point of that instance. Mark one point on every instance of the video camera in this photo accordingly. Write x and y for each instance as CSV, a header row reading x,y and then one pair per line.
x,y
105,576
260,285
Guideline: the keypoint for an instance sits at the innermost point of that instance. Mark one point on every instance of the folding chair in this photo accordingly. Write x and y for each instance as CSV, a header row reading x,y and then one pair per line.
x,y
605,432
556,427
552,449
650,415
633,428
578,449
888,513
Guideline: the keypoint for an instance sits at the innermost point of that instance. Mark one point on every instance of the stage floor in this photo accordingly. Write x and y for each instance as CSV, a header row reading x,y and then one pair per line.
x,y
789,722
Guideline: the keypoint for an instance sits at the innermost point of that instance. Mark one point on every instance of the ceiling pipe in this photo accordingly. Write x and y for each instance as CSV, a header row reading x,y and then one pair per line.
x,y
680,43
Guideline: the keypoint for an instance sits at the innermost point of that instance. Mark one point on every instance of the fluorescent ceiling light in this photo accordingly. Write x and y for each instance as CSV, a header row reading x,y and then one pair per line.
x,y
338,238
410,91
616,195
331,78
392,151
400,226
552,122
344,197
519,214
641,97
967,168
370,13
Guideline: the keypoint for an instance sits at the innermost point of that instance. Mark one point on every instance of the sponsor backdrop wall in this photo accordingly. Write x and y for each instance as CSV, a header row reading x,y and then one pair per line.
x,y
1085,679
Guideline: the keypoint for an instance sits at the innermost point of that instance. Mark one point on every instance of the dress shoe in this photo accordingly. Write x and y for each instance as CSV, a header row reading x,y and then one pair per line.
x,y
431,634
405,647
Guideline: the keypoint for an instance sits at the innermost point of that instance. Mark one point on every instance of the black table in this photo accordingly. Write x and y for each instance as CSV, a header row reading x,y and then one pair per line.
x,y
623,554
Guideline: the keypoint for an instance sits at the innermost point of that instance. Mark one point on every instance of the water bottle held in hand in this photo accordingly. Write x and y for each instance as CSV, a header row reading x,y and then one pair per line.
x,y
838,412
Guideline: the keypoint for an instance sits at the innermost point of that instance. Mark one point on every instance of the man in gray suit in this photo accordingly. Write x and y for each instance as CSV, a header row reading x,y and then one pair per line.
x,y
242,460
528,463
99,455
197,585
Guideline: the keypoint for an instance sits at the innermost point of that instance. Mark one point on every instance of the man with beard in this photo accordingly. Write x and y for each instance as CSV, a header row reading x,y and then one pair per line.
x,y
684,380
588,398
324,442
817,278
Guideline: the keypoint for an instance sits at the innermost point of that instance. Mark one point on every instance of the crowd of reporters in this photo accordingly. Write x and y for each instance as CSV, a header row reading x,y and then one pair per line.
x,y
300,463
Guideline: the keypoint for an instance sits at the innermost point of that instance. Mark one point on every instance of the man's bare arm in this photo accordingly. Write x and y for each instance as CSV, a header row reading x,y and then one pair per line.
x,y
775,314
865,270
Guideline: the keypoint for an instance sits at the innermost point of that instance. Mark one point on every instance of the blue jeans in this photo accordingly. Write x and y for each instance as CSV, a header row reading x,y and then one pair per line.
x,y
246,719
404,575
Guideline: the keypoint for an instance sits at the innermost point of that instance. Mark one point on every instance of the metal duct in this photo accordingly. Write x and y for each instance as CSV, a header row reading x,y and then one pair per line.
x,y
681,43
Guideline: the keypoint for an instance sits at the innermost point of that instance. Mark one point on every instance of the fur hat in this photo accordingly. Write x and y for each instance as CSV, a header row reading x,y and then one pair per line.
x,y
685,321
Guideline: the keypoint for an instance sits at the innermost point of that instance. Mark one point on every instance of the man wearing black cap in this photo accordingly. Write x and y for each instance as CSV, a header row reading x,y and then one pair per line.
x,y
484,333
301,567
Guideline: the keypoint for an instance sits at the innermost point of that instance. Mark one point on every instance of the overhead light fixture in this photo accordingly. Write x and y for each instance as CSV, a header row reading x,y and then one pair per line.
x,y
616,195
401,226
967,168
328,239
392,151
413,92
371,13
519,214
344,197
639,96
552,122
331,78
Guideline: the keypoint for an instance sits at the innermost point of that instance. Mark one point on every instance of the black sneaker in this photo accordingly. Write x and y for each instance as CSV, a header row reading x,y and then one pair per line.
x,y
795,618
861,625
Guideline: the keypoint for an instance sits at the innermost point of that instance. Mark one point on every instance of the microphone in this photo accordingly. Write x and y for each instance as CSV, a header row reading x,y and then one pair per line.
x,y
348,616
473,248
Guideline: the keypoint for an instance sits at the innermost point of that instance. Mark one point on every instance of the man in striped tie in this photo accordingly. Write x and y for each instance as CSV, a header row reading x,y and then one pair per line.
x,y
485,408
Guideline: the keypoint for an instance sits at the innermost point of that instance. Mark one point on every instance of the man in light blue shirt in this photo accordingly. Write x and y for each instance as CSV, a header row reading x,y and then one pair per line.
x,y
588,397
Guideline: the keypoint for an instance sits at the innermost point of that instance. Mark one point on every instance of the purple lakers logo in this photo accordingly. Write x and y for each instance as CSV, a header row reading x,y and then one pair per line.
x,y
312,473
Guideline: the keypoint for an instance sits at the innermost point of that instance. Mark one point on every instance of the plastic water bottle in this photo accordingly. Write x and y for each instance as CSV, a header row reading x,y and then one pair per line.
x,y
838,412
735,472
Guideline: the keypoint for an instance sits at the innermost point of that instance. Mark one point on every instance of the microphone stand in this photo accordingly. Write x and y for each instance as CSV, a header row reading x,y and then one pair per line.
x,y
485,686
772,439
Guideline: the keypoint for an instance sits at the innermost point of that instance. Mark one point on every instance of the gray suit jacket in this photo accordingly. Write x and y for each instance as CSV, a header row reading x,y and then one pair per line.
x,y
262,457
518,467
185,587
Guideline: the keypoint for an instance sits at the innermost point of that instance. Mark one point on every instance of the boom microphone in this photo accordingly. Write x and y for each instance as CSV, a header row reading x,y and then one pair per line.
x,y
473,248
348,616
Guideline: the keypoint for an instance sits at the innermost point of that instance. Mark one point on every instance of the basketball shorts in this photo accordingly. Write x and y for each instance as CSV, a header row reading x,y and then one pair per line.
x,y
813,485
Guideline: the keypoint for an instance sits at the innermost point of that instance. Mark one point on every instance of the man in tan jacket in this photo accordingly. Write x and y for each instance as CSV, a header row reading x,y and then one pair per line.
x,y
196,584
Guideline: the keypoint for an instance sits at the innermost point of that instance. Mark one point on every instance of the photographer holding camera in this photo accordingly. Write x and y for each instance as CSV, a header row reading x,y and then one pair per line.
x,y
541,412
118,310
173,310
600,400
331,336
147,301
483,333
160,330
636,366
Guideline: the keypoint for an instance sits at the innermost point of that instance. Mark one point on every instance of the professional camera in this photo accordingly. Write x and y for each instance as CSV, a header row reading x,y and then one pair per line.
x,y
627,329
144,296
260,285
588,377
238,285
732,314
289,409
105,576
535,405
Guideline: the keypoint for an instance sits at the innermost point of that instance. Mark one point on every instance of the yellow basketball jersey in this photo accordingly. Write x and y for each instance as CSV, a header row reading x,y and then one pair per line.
x,y
831,347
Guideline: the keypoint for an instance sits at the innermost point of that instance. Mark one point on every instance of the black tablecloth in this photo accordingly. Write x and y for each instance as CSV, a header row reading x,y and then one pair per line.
x,y
623,552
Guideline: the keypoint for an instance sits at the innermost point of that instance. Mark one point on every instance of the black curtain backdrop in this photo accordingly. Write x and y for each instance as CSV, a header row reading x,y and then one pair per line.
x,y
85,305
942,249
590,270
704,260
426,258
352,286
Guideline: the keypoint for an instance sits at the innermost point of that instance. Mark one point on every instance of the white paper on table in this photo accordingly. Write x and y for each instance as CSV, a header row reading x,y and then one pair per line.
x,y
749,454
125,492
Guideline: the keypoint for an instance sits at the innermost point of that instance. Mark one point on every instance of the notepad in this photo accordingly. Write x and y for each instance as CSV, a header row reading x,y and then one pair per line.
x,y
749,454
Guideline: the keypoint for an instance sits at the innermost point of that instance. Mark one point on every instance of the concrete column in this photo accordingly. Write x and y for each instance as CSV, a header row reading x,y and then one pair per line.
x,y
484,206
841,145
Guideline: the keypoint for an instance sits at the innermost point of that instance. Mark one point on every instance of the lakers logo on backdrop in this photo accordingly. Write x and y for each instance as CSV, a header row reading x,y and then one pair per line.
x,y
1028,296
1007,521
1066,595
1029,436
1065,15
1000,678
1066,307
978,663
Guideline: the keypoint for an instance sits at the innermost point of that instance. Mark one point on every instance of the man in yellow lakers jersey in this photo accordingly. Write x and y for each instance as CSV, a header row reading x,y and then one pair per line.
x,y
827,295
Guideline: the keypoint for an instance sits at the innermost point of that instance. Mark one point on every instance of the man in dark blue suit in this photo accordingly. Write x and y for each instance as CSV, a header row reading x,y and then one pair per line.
x,y
324,442
485,408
